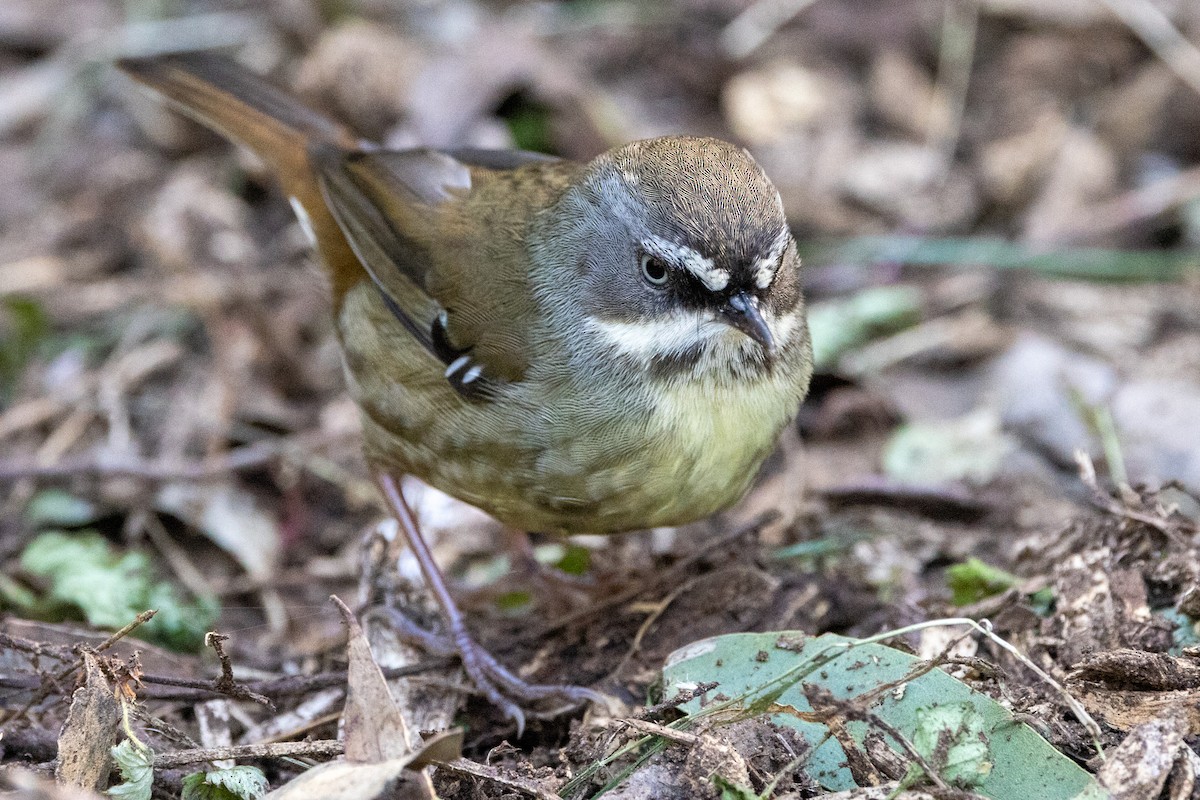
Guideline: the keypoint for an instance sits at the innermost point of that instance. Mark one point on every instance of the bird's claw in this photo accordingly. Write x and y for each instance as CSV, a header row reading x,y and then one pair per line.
x,y
492,679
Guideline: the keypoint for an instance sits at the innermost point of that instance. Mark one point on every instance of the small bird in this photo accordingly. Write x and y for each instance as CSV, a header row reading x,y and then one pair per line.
x,y
572,348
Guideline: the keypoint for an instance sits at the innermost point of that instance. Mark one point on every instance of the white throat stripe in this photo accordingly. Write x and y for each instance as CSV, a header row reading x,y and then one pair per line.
x,y
675,334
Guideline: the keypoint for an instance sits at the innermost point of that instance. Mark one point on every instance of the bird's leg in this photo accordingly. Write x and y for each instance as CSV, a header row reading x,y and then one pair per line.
x,y
493,679
561,585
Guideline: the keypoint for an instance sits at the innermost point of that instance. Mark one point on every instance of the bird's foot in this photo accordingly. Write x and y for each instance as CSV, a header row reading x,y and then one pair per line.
x,y
492,679
553,582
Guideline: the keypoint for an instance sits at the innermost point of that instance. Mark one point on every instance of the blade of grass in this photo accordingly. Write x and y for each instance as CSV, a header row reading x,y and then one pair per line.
x,y
1098,264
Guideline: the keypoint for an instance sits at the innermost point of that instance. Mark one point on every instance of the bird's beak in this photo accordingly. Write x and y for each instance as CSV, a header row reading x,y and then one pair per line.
x,y
742,312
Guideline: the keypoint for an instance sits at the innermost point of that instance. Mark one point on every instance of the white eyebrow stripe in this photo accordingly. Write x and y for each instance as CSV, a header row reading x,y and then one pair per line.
x,y
766,267
713,277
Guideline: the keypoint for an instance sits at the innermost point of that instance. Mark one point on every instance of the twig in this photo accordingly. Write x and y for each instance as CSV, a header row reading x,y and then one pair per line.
x,y
323,748
759,22
655,614
1087,474
663,578
35,648
190,690
44,691
1118,213
960,24
911,751
248,457
486,772
1155,30
654,729
226,683
984,627
138,621
684,696
945,500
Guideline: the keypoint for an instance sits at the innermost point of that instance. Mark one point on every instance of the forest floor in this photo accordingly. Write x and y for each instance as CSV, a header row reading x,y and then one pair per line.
x,y
998,203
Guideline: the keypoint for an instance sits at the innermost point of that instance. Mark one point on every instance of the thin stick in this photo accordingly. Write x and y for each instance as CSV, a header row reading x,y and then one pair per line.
x,y
324,748
46,688
667,577
251,456
984,627
486,772
749,29
1122,211
1157,32
960,24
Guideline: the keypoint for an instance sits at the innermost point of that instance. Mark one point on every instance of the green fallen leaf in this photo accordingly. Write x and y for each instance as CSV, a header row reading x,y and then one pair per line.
x,y
1185,630
971,448
758,671
85,572
23,331
953,740
733,791
973,580
515,601
236,783
135,761
575,560
57,507
838,326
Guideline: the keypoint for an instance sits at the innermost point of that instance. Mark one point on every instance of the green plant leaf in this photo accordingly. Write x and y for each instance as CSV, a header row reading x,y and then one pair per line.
x,y
576,559
236,783
179,623
136,765
838,326
85,572
733,791
23,330
58,507
997,756
953,740
973,580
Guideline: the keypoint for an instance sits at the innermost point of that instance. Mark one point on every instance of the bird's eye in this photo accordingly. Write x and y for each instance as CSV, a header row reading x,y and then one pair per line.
x,y
653,270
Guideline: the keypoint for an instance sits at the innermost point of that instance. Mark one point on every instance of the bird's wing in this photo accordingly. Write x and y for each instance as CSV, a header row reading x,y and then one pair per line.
x,y
448,260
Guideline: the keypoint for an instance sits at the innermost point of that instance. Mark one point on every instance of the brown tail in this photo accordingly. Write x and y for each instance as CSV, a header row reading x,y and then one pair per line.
x,y
276,126
242,107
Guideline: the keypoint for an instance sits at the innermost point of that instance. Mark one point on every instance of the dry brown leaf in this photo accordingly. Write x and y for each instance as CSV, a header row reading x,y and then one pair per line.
x,y
1139,767
373,727
903,93
363,73
88,734
339,780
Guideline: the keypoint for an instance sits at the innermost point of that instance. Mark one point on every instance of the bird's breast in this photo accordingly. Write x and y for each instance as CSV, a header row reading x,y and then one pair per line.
x,y
564,450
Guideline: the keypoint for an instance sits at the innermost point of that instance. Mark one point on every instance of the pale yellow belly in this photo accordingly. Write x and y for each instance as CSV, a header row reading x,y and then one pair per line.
x,y
570,459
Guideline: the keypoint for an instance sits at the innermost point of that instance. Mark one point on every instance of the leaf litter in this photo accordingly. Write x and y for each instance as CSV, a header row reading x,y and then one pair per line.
x,y
997,203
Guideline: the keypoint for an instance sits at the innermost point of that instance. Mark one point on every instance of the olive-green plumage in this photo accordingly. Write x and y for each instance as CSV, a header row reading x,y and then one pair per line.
x,y
578,348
